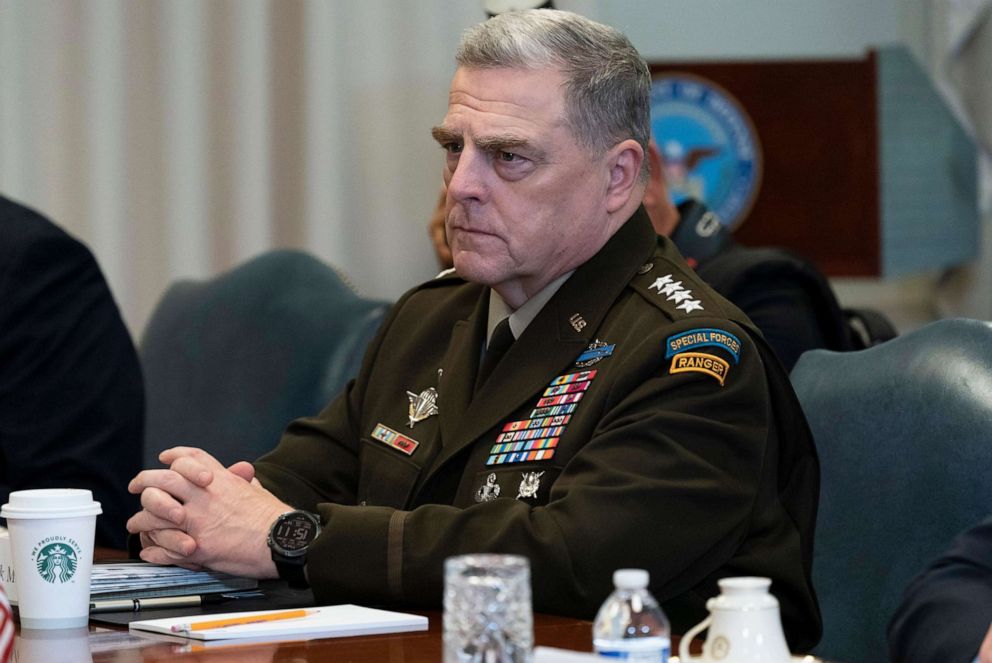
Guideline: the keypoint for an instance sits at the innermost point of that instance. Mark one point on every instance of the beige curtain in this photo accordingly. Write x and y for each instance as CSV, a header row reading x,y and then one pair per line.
x,y
180,137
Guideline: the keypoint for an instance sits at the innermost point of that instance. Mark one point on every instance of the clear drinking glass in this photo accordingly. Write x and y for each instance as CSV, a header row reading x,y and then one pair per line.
x,y
487,609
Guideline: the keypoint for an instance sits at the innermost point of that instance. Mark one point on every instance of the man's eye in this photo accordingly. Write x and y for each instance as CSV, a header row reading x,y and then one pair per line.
x,y
453,148
508,157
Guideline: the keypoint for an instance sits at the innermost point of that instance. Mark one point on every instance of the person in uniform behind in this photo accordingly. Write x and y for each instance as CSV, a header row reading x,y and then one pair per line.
x,y
571,391
71,395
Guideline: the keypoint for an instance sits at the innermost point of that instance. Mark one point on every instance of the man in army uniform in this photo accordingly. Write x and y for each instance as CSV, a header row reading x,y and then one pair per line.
x,y
635,418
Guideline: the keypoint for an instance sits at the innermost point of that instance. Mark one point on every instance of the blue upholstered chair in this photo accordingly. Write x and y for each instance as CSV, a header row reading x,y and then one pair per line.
x,y
904,434
229,361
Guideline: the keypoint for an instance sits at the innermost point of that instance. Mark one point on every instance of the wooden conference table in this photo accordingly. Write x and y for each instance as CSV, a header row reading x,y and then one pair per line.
x,y
102,644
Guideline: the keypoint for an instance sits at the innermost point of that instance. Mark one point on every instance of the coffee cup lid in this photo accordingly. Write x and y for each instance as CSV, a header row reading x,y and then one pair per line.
x,y
50,503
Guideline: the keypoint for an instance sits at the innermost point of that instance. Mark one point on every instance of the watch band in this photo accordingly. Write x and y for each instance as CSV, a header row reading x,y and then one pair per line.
x,y
292,572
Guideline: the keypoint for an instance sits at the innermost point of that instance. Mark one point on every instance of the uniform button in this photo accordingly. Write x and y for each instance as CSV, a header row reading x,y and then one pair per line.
x,y
363,503
645,268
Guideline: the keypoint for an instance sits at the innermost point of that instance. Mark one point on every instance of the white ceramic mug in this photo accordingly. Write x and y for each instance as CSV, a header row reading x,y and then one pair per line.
x,y
744,625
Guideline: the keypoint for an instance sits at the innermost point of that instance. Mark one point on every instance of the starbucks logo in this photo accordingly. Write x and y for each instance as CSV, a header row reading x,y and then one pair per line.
x,y
56,563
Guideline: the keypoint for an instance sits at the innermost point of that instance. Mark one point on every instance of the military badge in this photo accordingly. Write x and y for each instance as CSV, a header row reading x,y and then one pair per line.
x,y
529,484
422,405
522,452
581,376
595,353
488,491
537,437
397,441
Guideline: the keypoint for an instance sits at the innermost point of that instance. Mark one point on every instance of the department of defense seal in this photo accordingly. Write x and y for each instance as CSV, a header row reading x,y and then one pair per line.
x,y
709,147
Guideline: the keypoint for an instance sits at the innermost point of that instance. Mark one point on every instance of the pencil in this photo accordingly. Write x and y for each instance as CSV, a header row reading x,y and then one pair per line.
x,y
249,618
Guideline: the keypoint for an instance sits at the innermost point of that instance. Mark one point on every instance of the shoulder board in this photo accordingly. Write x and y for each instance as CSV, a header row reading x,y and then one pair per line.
x,y
675,289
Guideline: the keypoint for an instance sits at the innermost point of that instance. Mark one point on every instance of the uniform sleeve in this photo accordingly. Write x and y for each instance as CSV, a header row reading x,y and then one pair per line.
x,y
669,481
947,610
71,395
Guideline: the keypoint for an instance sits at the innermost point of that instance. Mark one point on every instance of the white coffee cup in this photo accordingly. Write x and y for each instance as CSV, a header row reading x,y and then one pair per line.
x,y
744,625
7,576
51,540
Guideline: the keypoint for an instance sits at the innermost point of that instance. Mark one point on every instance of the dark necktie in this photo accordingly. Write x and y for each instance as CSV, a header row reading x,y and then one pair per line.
x,y
499,343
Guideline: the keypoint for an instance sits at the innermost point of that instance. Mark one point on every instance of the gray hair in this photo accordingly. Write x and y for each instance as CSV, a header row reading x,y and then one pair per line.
x,y
607,83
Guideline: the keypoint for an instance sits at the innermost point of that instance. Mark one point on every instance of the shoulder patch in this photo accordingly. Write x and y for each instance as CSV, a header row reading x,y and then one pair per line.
x,y
700,362
703,337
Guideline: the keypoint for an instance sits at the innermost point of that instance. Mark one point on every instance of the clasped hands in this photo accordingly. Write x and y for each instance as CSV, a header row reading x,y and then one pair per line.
x,y
198,513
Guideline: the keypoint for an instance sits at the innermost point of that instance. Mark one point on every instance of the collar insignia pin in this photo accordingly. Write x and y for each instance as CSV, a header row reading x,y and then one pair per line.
x,y
577,321
422,405
529,484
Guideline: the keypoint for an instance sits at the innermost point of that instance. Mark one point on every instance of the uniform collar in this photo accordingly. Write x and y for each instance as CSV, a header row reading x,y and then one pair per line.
x,y
520,318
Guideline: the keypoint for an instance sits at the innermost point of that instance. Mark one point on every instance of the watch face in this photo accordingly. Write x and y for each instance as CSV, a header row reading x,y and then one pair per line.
x,y
294,532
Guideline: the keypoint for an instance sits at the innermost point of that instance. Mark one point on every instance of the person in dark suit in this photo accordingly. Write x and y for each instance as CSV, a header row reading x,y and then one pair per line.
x,y
946,612
71,395
571,391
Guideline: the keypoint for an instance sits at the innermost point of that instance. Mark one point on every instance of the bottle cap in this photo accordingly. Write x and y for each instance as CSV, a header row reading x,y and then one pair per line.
x,y
630,578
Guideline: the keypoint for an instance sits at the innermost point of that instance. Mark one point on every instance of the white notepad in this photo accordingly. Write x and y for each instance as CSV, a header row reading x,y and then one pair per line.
x,y
333,621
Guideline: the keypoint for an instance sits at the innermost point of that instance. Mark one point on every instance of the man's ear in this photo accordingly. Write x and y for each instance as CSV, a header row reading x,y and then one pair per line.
x,y
655,189
624,162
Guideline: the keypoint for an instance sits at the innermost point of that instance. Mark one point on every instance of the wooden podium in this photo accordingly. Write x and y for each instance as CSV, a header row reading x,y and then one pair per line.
x,y
865,172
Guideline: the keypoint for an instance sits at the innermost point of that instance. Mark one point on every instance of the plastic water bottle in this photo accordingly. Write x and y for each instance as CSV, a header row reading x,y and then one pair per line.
x,y
630,625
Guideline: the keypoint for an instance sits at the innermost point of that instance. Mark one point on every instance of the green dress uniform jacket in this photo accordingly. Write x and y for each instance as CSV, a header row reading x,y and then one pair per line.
x,y
639,421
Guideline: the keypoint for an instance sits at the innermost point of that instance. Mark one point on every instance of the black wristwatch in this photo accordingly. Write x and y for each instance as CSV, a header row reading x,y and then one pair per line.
x,y
289,539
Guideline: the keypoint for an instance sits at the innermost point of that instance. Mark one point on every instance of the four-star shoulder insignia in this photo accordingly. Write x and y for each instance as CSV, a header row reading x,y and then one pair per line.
x,y
673,291
690,305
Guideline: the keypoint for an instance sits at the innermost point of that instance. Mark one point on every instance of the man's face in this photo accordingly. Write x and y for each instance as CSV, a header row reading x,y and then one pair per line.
x,y
525,201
